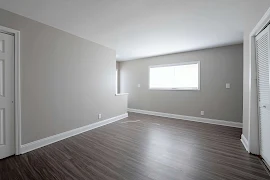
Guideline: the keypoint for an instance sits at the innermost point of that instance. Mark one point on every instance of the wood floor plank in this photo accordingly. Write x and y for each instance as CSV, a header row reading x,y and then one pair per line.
x,y
142,148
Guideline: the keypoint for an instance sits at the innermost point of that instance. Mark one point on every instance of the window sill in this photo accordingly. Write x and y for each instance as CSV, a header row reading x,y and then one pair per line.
x,y
121,94
173,89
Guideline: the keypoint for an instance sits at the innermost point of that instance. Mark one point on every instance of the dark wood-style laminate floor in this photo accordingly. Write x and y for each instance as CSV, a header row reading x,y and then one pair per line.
x,y
153,148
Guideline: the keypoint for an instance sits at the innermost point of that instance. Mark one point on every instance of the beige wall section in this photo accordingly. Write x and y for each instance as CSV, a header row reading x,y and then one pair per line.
x,y
250,23
218,67
66,81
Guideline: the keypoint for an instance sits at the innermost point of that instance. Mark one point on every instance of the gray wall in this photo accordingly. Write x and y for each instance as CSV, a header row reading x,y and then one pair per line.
x,y
65,80
218,67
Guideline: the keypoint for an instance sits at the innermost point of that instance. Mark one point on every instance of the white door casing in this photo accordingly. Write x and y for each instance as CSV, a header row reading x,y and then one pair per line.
x,y
7,118
263,83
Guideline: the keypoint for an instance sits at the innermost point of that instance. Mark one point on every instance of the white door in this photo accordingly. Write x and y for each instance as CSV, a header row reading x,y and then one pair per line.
x,y
263,76
7,121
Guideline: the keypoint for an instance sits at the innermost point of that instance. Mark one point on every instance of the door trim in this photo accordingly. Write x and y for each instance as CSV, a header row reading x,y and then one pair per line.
x,y
253,129
17,86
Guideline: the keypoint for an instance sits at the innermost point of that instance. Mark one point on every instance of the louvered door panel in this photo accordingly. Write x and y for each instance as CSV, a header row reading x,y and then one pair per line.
x,y
263,76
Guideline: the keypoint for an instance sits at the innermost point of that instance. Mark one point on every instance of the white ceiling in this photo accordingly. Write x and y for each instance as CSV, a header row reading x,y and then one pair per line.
x,y
143,28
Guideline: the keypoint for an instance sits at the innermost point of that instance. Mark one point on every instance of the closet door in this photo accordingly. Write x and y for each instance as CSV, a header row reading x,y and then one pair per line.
x,y
7,120
263,76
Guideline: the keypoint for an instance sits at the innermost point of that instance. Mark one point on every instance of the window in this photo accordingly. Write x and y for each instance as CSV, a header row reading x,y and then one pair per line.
x,y
185,76
116,82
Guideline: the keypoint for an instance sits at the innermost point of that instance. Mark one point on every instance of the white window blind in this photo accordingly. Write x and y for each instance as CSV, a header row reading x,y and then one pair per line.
x,y
184,76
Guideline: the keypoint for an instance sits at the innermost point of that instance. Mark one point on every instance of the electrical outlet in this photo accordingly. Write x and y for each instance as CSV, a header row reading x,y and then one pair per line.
x,y
139,85
202,113
228,85
99,116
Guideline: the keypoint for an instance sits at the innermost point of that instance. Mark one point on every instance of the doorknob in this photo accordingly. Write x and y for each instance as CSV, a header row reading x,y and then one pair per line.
x,y
264,106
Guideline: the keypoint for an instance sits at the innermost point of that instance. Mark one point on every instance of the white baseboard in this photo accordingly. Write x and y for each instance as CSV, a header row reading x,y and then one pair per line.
x,y
52,139
245,142
266,162
189,118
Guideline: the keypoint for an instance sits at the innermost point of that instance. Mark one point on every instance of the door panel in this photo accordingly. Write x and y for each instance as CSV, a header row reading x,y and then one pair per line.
x,y
263,76
7,121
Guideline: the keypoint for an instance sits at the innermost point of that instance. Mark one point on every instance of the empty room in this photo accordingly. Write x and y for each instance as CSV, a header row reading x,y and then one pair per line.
x,y
134,90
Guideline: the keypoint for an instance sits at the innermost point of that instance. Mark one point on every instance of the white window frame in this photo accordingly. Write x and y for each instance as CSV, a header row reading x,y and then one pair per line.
x,y
177,64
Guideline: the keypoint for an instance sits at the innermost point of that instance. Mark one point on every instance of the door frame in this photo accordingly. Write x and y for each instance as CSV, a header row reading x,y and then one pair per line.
x,y
253,131
17,86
